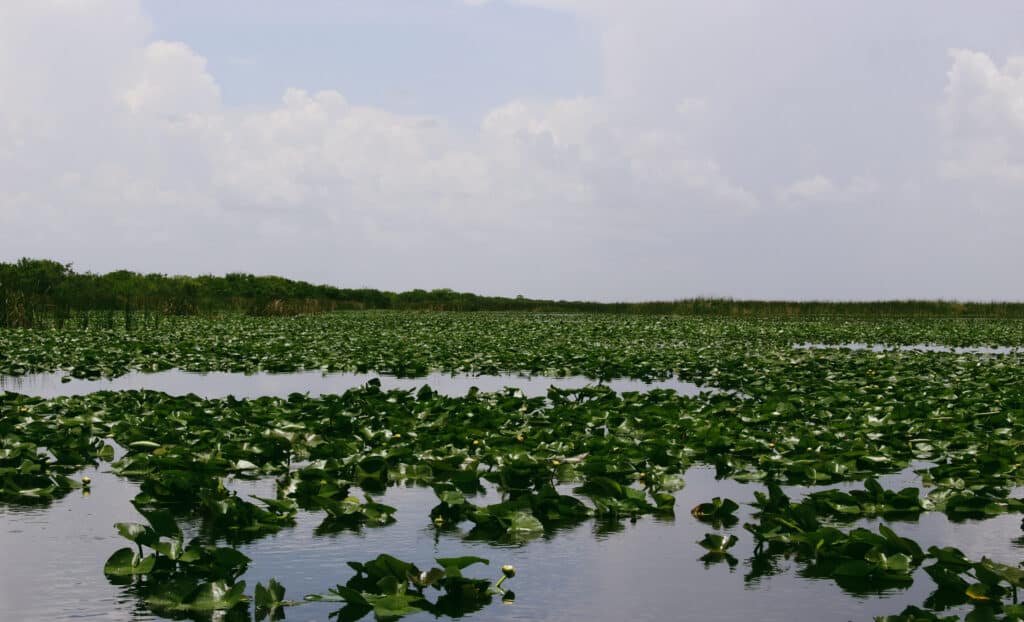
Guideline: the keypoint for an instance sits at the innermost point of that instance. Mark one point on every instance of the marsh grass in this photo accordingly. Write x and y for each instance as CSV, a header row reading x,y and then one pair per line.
x,y
39,293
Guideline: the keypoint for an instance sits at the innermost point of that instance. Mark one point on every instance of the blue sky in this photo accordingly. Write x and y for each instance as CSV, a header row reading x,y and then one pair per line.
x,y
655,149
436,58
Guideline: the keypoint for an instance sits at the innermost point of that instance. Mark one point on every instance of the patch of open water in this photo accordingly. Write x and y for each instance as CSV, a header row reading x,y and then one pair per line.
x,y
221,384
917,347
52,556
649,570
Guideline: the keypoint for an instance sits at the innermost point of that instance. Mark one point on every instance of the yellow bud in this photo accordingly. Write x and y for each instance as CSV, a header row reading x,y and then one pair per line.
x,y
86,480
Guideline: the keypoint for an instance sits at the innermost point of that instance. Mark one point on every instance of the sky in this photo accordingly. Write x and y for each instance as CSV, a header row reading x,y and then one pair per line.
x,y
566,149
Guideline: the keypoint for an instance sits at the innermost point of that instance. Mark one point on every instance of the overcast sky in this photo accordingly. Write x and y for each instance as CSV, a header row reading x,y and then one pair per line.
x,y
598,149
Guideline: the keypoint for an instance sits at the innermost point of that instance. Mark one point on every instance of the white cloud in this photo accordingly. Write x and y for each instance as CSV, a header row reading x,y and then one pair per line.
x,y
982,119
566,122
811,188
820,189
172,80
144,148
117,150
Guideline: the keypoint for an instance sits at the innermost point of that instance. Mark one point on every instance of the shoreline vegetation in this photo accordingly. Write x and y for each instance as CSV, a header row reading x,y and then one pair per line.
x,y
42,293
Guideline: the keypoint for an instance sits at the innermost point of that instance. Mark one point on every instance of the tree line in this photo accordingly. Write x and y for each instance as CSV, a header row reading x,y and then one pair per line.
x,y
43,292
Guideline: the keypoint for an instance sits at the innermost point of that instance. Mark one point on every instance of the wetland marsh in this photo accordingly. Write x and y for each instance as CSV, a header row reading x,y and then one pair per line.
x,y
777,482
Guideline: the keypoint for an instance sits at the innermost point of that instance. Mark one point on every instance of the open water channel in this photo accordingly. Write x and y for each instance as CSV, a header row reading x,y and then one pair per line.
x,y
51,557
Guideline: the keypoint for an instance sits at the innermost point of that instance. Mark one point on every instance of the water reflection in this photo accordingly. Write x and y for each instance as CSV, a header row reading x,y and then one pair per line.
x,y
597,570
221,384
917,347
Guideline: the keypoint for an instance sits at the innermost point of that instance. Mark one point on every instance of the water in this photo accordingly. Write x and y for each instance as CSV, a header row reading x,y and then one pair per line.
x,y
53,559
917,347
221,384
52,556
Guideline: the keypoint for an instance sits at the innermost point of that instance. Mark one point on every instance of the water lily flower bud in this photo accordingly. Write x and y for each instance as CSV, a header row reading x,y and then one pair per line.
x,y
508,570
86,480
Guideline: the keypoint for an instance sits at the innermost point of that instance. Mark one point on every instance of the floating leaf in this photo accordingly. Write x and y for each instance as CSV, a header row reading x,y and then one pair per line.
x,y
716,543
127,562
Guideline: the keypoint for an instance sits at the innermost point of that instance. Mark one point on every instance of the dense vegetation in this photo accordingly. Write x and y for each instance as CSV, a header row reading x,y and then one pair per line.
x,y
408,343
779,417
39,292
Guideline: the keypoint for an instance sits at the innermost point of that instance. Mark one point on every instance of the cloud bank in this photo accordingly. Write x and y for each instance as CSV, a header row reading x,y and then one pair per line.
x,y
116,150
